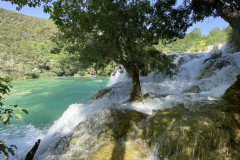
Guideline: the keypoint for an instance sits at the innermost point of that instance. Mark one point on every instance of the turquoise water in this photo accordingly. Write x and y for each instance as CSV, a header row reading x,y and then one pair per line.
x,y
47,99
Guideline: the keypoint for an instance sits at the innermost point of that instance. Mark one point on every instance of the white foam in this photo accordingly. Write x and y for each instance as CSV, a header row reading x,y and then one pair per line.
x,y
119,74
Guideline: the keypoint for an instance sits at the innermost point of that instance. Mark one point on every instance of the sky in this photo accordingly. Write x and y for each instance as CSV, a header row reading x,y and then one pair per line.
x,y
206,26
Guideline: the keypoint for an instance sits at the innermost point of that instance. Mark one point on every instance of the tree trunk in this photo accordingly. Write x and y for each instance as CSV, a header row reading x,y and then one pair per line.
x,y
230,15
30,154
134,74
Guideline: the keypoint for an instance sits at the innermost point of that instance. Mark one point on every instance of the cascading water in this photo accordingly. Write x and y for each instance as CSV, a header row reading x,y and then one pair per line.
x,y
203,77
118,75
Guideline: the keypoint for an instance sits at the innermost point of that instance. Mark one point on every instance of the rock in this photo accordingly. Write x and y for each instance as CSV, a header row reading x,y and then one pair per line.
x,y
100,93
179,133
211,132
232,94
213,64
193,89
118,150
109,134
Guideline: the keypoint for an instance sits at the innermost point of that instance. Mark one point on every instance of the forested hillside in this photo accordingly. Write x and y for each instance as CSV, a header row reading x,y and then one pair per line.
x,y
25,45
27,51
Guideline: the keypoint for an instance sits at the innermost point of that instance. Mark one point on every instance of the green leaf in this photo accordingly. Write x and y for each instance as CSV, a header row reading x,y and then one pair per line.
x,y
15,106
25,111
14,146
5,118
18,116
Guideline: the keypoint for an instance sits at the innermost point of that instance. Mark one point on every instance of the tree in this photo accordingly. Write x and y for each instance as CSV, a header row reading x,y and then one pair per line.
x,y
229,10
102,31
123,31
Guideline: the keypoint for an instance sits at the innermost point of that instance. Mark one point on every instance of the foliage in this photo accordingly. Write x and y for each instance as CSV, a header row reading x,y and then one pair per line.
x,y
6,114
195,41
121,31
205,8
24,43
27,49
229,10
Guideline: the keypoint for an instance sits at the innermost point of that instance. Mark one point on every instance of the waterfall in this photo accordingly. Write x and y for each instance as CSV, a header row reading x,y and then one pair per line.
x,y
119,74
202,77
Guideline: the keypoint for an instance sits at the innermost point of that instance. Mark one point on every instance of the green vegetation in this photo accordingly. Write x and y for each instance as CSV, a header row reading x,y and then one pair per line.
x,y
226,9
25,45
27,50
195,41
124,31
6,114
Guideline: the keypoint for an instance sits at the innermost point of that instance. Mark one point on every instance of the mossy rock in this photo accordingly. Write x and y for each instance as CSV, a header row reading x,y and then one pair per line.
x,y
179,133
232,94
113,127
100,93
212,132
119,150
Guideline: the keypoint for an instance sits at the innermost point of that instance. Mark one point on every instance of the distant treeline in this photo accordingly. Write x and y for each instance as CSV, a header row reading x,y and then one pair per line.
x,y
27,51
195,41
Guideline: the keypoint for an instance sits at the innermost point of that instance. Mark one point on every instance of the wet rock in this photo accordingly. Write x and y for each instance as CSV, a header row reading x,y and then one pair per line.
x,y
213,64
100,93
109,134
193,89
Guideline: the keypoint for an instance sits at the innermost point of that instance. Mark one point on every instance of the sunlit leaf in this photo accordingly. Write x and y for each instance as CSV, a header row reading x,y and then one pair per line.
x,y
18,116
5,118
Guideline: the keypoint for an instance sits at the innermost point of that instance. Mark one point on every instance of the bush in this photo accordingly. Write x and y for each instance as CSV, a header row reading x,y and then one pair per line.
x,y
47,74
33,75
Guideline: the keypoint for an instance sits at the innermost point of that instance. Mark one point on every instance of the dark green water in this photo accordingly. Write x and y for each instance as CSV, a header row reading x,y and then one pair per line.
x,y
47,99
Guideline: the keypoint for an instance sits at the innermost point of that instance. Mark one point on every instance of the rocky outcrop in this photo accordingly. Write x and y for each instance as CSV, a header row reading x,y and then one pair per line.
x,y
110,134
176,133
179,133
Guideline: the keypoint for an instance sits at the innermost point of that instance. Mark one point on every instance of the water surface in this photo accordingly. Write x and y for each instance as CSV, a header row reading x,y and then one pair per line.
x,y
47,99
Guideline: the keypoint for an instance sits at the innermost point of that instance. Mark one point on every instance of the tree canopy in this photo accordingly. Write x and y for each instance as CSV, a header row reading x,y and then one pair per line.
x,y
123,31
